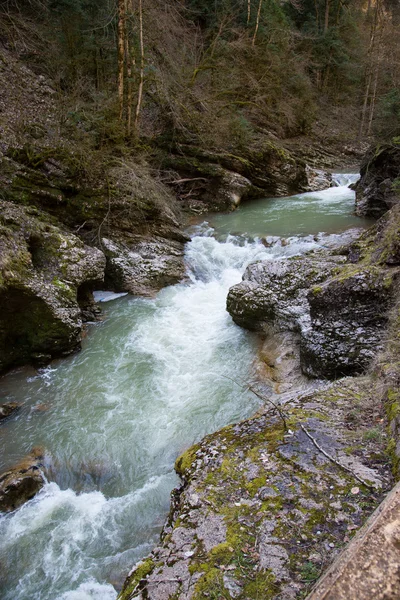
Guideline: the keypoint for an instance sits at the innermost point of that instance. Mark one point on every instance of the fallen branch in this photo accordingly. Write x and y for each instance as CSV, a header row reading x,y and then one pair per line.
x,y
274,406
177,181
339,464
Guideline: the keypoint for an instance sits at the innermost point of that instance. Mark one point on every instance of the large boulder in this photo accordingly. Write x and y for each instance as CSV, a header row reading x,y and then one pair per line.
x,y
144,267
349,314
317,179
338,305
376,191
45,273
273,294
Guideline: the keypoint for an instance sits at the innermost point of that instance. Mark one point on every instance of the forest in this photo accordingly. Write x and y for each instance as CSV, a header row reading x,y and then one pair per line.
x,y
214,74
199,299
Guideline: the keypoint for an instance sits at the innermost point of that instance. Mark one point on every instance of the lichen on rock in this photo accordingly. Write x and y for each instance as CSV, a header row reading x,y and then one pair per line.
x,y
42,269
261,509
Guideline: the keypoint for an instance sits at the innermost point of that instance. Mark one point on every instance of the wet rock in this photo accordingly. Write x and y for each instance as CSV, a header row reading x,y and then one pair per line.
x,y
349,314
376,191
145,267
273,294
317,179
8,409
43,269
22,482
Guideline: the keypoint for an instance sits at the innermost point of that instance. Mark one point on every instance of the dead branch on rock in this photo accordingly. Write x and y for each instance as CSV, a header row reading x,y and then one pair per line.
x,y
274,406
336,462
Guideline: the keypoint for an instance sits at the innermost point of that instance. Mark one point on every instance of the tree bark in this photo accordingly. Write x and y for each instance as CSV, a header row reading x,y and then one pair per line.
x,y
326,22
121,55
141,76
257,22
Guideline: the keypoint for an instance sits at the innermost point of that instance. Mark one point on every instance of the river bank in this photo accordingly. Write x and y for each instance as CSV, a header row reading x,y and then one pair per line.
x,y
114,417
267,504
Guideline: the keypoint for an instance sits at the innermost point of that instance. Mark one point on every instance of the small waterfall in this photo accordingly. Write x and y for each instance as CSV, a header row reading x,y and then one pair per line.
x,y
344,179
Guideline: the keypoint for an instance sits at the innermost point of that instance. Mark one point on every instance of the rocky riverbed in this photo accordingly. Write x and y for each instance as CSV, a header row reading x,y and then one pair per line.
x,y
267,504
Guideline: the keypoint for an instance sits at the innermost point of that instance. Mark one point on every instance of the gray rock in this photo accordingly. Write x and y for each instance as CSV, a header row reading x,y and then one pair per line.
x,y
317,179
348,316
274,293
8,409
43,272
375,193
145,267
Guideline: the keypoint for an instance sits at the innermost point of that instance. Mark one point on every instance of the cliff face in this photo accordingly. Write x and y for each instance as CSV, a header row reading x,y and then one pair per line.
x,y
267,504
72,219
377,190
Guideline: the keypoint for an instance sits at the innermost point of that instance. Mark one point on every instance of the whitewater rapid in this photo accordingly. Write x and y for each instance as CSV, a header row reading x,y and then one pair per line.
x,y
153,378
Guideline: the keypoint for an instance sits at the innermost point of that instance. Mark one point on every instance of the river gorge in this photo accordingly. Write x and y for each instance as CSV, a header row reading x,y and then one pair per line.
x,y
154,377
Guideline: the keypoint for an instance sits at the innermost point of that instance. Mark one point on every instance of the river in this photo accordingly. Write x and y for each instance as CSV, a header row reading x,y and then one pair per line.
x,y
152,378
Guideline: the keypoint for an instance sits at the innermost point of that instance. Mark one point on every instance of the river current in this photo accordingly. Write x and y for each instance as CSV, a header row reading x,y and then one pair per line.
x,y
152,378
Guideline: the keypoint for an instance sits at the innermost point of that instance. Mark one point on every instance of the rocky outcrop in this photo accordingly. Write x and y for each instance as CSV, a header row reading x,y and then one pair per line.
x,y
317,179
349,314
262,510
273,294
134,220
22,482
377,189
145,267
7,409
211,180
338,304
45,272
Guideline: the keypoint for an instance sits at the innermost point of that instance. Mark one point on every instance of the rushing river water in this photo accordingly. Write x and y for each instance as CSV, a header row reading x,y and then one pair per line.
x,y
152,378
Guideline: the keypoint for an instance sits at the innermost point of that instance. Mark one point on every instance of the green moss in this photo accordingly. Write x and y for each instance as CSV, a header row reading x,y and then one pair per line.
x,y
317,289
263,586
254,485
391,450
184,462
143,569
392,404
211,586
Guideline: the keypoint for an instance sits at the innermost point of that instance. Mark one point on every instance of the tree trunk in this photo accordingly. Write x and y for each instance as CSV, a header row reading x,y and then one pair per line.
x,y
326,22
257,22
369,68
373,98
121,55
141,76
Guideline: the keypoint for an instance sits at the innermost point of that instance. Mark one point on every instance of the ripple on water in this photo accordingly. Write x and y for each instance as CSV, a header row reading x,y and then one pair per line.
x,y
152,378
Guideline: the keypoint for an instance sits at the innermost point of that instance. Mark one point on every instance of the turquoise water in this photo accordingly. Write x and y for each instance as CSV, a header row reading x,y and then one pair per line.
x,y
329,211
153,377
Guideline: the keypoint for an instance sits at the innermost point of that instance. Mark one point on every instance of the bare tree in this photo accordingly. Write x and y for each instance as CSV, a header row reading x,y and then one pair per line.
x,y
141,76
121,54
257,22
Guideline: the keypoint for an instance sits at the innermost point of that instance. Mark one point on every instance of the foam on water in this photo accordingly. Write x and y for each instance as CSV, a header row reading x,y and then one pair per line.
x,y
153,378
